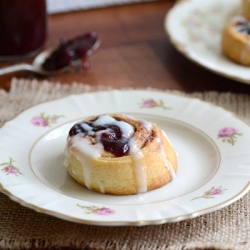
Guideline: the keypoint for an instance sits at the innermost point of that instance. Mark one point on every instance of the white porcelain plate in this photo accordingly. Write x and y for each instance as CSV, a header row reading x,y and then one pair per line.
x,y
212,144
195,28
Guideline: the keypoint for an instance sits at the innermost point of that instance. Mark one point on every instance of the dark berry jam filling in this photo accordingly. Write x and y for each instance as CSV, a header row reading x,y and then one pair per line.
x,y
111,137
243,26
71,51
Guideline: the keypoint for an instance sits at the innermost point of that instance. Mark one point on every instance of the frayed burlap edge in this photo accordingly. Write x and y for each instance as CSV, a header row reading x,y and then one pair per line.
x,y
34,92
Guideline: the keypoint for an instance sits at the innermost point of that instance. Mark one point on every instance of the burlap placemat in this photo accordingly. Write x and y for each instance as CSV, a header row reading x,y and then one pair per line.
x,y
23,228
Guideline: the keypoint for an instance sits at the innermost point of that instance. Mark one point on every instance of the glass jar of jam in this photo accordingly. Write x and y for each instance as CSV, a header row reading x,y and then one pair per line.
x,y
23,28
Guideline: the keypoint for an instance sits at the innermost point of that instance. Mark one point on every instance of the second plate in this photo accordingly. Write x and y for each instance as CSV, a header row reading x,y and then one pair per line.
x,y
195,29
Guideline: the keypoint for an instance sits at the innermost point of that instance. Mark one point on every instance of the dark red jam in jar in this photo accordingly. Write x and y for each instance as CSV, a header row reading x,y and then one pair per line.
x,y
23,27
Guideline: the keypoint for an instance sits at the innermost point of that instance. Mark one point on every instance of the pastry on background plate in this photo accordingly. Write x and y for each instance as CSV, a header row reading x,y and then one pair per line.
x,y
235,41
120,155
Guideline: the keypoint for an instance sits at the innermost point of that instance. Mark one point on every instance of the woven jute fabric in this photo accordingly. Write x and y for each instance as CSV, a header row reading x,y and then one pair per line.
x,y
23,228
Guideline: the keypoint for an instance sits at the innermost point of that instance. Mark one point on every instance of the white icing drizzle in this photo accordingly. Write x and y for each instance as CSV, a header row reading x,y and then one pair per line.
x,y
164,157
87,151
102,189
140,173
85,146
125,127
66,162
86,127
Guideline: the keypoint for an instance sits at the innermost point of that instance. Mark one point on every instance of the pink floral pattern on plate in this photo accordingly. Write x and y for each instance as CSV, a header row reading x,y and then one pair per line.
x,y
201,25
211,193
97,210
229,135
45,120
151,103
9,168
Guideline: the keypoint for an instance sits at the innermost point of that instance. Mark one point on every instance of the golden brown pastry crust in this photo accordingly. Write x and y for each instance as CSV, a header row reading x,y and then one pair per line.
x,y
236,45
119,175
246,8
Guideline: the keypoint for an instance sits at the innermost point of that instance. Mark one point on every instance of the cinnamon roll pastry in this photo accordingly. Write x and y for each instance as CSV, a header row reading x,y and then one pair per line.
x,y
120,155
235,41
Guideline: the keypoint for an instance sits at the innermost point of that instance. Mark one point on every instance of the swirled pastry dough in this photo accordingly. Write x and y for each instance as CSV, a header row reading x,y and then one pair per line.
x,y
120,155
